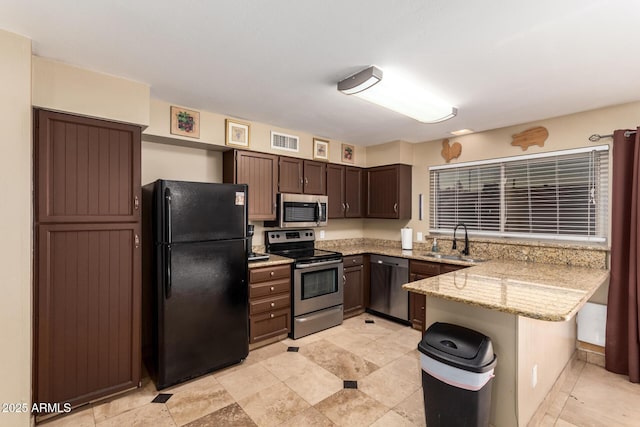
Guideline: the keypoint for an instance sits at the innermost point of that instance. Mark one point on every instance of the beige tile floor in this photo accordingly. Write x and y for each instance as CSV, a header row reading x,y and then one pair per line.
x,y
275,387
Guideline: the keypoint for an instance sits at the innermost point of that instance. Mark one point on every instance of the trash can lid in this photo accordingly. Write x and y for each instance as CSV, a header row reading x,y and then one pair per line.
x,y
458,346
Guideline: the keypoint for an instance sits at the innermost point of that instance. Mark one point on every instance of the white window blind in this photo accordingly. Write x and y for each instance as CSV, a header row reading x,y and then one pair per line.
x,y
560,195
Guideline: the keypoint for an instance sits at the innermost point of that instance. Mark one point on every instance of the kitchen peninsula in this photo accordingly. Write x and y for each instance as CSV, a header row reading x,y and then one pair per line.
x,y
528,310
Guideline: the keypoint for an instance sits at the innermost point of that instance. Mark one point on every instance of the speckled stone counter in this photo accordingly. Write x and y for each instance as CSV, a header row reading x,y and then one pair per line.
x,y
535,290
394,251
273,260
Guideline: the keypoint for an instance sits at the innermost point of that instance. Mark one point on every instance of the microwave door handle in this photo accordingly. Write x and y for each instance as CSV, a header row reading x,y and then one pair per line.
x,y
319,212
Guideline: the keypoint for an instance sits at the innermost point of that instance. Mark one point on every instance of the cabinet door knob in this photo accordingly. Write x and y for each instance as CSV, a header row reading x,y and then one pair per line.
x,y
272,289
271,273
344,207
273,304
272,315
354,261
347,207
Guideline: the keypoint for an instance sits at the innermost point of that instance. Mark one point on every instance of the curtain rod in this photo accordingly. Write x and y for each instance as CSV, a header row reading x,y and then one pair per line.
x,y
595,137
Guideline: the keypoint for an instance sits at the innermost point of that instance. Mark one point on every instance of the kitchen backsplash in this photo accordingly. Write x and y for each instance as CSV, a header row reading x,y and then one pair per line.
x,y
542,252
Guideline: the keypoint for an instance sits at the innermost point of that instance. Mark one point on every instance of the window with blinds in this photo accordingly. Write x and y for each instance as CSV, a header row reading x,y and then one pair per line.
x,y
560,195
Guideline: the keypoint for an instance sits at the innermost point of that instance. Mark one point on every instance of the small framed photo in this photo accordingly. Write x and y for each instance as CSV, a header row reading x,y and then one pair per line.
x,y
320,149
348,153
185,122
237,133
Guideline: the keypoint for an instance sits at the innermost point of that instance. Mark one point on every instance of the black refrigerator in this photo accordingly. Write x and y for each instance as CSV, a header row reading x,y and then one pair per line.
x,y
197,279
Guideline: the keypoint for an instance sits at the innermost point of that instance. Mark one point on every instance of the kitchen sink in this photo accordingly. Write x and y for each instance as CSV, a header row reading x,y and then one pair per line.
x,y
465,258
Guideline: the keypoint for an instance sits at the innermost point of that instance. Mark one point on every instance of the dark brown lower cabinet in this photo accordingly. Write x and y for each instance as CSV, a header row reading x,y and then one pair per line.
x,y
269,302
419,270
353,285
87,315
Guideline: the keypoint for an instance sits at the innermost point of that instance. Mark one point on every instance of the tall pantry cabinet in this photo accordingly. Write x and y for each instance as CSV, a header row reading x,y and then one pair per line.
x,y
87,258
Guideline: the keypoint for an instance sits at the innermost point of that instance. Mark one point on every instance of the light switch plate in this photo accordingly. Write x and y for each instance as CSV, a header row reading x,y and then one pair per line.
x,y
322,234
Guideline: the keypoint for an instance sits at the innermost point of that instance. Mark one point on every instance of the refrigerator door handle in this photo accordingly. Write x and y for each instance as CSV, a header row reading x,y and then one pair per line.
x,y
167,212
167,282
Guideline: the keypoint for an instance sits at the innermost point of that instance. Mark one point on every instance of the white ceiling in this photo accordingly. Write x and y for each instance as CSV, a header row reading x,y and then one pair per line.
x,y
501,62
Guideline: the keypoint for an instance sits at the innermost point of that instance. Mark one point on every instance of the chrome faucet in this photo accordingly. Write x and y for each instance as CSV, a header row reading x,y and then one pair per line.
x,y
465,251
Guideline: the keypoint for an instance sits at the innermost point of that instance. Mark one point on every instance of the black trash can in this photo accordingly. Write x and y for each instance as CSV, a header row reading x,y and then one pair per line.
x,y
457,372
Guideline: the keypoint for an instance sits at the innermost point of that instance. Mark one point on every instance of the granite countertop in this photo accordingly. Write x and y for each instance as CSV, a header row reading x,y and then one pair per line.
x,y
273,260
396,252
539,291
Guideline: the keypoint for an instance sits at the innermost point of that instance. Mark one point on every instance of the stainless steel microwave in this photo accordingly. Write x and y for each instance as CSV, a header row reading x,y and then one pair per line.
x,y
301,210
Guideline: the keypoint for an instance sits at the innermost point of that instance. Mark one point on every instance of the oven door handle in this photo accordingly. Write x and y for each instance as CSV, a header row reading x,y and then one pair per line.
x,y
317,264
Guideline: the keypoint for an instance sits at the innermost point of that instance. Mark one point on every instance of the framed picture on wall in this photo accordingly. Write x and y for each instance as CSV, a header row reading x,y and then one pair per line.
x,y
320,149
348,153
185,122
237,133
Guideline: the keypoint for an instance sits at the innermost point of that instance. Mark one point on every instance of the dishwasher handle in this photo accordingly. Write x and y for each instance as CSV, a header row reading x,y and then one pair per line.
x,y
380,262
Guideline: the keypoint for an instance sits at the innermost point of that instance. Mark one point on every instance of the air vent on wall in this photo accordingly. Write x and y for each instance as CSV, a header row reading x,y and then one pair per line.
x,y
281,141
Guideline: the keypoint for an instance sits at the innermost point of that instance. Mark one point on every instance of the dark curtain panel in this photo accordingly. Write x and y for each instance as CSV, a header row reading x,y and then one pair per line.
x,y
622,349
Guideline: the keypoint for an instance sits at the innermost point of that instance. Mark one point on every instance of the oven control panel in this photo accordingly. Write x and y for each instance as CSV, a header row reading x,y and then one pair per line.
x,y
290,236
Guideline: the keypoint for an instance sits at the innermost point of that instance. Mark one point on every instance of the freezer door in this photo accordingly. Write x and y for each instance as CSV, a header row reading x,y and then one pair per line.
x,y
202,308
198,211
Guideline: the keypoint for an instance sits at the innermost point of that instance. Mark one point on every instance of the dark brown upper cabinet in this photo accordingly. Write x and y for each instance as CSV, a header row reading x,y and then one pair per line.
x,y
389,192
260,172
315,177
290,175
87,170
302,176
353,192
344,189
335,191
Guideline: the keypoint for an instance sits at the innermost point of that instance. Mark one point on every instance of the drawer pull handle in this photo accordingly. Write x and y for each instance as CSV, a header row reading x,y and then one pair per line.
x,y
354,261
272,289
272,315
271,273
273,304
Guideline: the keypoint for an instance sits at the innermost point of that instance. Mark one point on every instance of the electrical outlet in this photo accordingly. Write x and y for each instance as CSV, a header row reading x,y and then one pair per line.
x,y
419,236
534,376
322,234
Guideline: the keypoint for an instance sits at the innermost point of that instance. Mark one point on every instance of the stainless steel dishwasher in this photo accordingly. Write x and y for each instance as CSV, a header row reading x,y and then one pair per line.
x,y
388,274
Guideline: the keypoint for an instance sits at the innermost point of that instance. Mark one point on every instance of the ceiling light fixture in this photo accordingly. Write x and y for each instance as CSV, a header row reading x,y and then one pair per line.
x,y
461,132
397,93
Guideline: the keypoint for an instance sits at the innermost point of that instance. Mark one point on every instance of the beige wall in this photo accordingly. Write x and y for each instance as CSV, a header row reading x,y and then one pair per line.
x,y
519,343
169,156
537,340
16,248
162,161
212,135
571,131
502,329
62,87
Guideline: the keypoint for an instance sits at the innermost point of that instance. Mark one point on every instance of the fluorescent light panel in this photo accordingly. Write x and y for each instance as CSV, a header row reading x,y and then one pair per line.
x,y
398,93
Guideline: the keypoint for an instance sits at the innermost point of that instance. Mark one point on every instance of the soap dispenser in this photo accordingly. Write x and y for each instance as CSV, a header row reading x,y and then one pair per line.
x,y
434,247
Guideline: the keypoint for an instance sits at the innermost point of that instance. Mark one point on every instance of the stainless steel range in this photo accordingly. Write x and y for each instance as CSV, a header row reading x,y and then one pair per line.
x,y
318,280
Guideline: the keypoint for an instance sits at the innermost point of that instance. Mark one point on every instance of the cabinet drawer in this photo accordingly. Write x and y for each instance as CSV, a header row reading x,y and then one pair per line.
x,y
424,268
447,268
262,305
269,273
353,260
270,324
257,290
